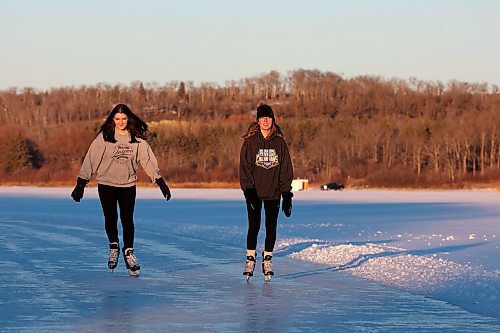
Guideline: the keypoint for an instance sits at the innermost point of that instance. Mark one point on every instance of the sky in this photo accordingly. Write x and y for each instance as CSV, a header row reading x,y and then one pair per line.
x,y
55,43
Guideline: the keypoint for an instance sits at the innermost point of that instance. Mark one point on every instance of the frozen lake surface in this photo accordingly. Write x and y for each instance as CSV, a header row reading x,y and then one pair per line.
x,y
350,261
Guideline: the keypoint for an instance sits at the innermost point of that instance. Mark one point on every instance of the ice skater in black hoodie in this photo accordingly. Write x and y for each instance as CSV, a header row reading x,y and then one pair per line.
x,y
266,175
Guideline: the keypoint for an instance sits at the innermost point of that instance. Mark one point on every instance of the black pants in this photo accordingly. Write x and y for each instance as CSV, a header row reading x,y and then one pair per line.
x,y
271,210
125,197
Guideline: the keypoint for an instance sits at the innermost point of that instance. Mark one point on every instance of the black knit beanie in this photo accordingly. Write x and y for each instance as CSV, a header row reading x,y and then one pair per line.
x,y
265,110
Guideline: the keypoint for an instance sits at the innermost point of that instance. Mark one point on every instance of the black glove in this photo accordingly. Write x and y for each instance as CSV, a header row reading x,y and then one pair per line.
x,y
251,197
287,203
164,188
77,193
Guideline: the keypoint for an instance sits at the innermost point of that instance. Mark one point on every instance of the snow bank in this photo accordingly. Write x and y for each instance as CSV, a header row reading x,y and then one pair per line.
x,y
365,196
472,288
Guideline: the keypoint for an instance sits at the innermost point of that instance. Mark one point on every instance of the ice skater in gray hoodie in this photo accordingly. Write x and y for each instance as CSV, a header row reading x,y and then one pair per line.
x,y
114,156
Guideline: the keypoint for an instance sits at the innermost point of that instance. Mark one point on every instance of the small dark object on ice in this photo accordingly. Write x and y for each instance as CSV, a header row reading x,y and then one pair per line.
x,y
332,186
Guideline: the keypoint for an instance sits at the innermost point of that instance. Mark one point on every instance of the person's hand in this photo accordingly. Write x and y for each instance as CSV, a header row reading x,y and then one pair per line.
x,y
164,188
252,197
77,193
287,203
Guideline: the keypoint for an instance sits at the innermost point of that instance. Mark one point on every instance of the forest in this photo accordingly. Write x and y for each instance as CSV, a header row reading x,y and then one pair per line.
x,y
365,131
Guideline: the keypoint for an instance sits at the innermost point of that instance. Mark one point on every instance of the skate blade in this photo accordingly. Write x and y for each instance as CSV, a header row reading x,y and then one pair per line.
x,y
267,278
133,273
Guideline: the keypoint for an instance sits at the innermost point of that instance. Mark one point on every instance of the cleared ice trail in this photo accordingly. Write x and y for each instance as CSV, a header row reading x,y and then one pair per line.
x,y
55,252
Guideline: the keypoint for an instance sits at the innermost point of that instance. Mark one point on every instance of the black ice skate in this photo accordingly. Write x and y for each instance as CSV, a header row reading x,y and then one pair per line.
x,y
131,262
249,267
267,267
114,253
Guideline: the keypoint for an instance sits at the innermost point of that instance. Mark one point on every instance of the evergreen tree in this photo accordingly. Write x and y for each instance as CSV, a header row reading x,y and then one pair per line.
x,y
17,156
181,92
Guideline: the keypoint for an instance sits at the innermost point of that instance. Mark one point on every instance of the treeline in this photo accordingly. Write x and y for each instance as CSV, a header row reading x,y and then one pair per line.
x,y
364,131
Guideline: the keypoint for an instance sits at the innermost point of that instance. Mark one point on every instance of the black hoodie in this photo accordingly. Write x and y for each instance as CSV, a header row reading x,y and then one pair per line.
x,y
265,165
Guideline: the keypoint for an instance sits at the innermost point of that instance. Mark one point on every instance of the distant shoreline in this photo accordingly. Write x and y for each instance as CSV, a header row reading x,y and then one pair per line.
x,y
93,183
234,185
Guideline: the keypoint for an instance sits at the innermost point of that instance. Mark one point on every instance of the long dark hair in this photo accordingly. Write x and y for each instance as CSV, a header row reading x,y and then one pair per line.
x,y
135,126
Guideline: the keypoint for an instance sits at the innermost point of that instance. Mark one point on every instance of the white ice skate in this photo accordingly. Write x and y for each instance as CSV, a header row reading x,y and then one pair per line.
x,y
114,253
249,267
131,262
267,268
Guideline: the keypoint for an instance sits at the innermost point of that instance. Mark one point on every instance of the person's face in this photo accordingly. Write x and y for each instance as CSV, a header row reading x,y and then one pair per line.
x,y
120,120
265,123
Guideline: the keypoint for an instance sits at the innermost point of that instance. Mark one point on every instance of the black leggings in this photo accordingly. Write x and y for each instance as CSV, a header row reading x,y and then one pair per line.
x,y
271,210
125,197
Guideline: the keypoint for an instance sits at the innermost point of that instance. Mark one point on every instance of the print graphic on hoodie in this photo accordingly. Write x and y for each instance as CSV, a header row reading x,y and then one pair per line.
x,y
267,158
122,153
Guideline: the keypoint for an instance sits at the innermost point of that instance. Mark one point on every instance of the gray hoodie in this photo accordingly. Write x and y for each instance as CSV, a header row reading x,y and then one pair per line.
x,y
116,163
